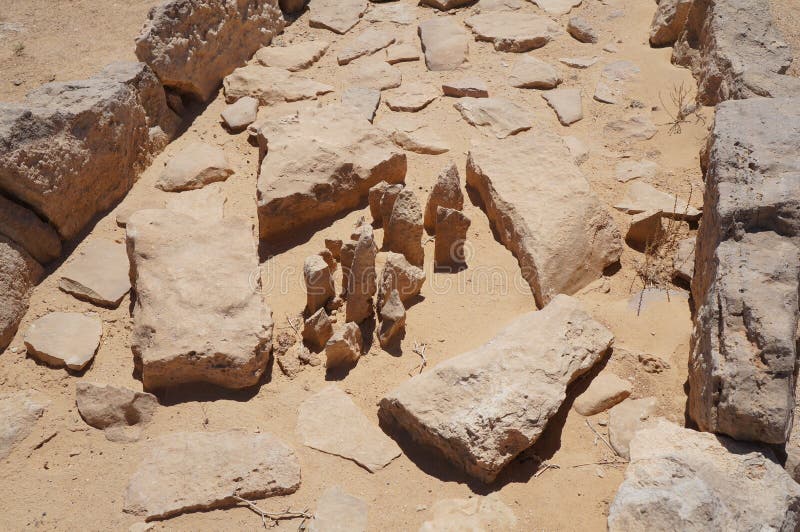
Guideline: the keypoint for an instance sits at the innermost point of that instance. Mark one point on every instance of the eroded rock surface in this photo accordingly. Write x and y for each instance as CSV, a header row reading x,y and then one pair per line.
x,y
19,273
98,273
119,412
270,85
513,32
444,42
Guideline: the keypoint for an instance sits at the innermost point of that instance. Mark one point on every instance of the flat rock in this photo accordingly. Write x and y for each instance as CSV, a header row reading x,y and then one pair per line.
x,y
641,197
240,114
487,6
557,7
630,170
321,163
446,192
192,471
192,46
98,273
444,43
466,87
513,32
682,479
338,511
338,16
207,203
270,85
343,349
625,419
559,250
294,57
402,53
19,273
24,227
394,13
329,421
119,412
418,138
366,101
567,103
531,73
475,513
605,391
482,408
195,166
374,73
399,274
186,274
579,62
446,4
495,116
19,413
411,97
683,262
367,42
64,339
581,30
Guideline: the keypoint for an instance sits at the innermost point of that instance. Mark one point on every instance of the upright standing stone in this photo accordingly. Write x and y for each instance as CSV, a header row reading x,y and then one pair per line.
x,y
319,283
361,279
399,274
393,318
344,347
403,233
451,234
445,193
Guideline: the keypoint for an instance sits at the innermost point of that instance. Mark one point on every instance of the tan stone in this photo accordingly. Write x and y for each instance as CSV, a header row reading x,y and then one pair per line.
x,y
446,192
317,329
294,57
367,42
207,203
25,228
466,87
240,114
270,85
475,513
195,166
366,101
625,419
403,232
401,275
451,234
605,391
513,32
361,278
63,339
444,43
393,319
97,273
344,347
641,197
19,273
374,73
567,104
495,116
119,412
319,283
411,97
338,16
19,413
531,73
402,53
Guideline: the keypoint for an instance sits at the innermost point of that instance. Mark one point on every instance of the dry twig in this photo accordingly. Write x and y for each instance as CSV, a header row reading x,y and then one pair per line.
x,y
420,350
602,462
270,519
600,437
544,467
292,325
679,95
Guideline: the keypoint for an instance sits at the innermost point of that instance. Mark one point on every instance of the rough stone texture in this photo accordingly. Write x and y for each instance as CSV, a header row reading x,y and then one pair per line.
x,y
119,412
374,73
25,228
72,149
292,6
646,229
388,199
401,275
19,273
446,4
482,408
411,97
513,32
393,319
444,42
579,62
98,273
361,279
19,413
321,164
531,73
451,234
630,129
402,52
270,85
581,30
605,391
365,100
329,421
192,44
338,511
557,7
669,21
466,87
367,42
735,51
418,138
195,166
395,13
317,329
338,16
207,203
625,419
680,479
496,116
403,233
294,57
560,250
446,192
577,148
374,197
64,339
318,282
199,314
191,471
344,347
792,448
641,197
475,513
240,114
567,104
683,263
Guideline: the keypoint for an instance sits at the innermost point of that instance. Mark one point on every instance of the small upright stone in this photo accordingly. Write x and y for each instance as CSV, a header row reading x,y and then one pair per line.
x,y
445,193
399,274
196,165
98,273
237,116
361,278
393,319
64,339
403,232
317,329
451,233
581,30
375,197
319,283
120,412
344,347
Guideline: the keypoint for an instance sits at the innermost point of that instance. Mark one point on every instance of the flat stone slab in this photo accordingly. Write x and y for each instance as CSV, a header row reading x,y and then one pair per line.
x,y
641,197
476,513
395,13
513,32
560,250
367,42
402,53
207,203
119,412
330,422
614,78
187,274
270,85
338,511
193,167
482,408
605,391
635,128
63,339
418,138
320,164
444,43
338,16
679,479
98,273
195,471
567,104
630,170
466,87
374,73
495,116
294,57
363,99
411,97
19,413
532,73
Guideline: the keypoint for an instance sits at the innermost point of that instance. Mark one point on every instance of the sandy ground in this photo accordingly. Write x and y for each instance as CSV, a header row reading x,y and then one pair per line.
x,y
786,14
76,479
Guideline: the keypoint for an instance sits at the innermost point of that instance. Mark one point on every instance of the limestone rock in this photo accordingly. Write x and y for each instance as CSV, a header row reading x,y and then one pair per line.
x,y
630,170
25,228
398,274
445,4
403,233
474,513
191,46
320,164
19,273
366,101
240,114
418,138
393,319
361,279
319,283
338,16
482,408
531,73
195,166
19,413
344,347
190,471
64,339
338,511
207,203
669,21
367,42
444,43
270,85
187,274
374,198
682,479
294,57
451,234
120,412
317,329
402,53
500,5
411,97
557,7
559,250
625,419
394,13
513,32
567,104
646,229
446,192
466,87
291,362
373,73
579,62
387,201
98,273
581,30
329,421
683,263
605,391
495,116
641,197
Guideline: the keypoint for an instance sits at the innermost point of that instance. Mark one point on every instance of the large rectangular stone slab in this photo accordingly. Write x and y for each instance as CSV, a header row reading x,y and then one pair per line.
x,y
199,315
544,211
482,408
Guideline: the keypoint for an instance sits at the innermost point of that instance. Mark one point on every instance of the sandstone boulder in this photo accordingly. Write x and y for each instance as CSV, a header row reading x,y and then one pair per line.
x,y
482,408
451,234
24,227
403,232
496,116
270,85
524,182
344,347
446,192
19,413
119,412
399,274
192,45
605,391
63,339
445,43
19,273
513,32
338,16
97,273
187,274
294,57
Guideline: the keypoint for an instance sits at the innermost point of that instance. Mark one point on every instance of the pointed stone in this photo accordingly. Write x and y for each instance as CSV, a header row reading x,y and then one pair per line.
x,y
294,57
361,279
63,339
403,233
445,43
451,234
398,274
446,192
318,283
393,319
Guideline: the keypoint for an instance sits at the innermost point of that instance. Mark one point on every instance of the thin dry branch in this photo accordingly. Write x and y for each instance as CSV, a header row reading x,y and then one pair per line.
x,y
544,467
270,519
420,350
600,437
293,326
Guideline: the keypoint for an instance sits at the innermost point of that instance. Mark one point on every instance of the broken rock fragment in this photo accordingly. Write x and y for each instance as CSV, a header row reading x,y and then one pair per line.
x,y
294,57
339,511
270,85
207,203
466,87
367,42
344,347
365,100
401,53
513,32
317,329
63,339
446,192
393,319
482,408
338,16
319,283
474,513
417,138
683,263
669,21
120,412
581,30
195,166
496,116
98,273
444,42
605,391
567,104
642,197
411,97
646,229
531,73
625,419
399,274
240,114
361,279
403,233
451,234
374,73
